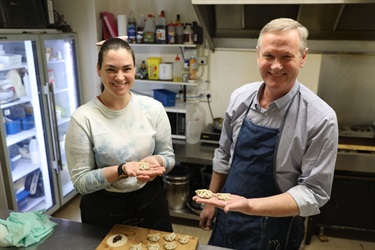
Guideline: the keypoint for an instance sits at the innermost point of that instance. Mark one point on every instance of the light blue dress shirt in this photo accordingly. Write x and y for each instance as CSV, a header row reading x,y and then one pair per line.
x,y
306,156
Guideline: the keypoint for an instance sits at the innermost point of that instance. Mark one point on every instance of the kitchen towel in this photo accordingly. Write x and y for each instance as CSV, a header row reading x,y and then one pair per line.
x,y
25,229
122,25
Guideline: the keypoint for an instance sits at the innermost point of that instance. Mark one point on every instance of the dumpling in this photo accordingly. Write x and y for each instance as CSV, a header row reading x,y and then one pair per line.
x,y
224,196
153,246
204,193
183,239
136,247
144,166
153,237
170,245
170,237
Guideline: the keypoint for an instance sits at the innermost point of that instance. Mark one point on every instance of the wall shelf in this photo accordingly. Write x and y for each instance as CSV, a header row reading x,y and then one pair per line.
x,y
166,82
134,45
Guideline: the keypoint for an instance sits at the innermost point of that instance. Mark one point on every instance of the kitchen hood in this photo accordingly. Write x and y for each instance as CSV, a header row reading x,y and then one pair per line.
x,y
237,23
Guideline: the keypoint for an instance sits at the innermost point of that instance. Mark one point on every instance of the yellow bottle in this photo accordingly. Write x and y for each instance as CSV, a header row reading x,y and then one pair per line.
x,y
193,67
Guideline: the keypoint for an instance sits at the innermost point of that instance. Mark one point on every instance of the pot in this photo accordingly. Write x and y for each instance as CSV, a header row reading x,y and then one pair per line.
x,y
177,187
218,123
194,207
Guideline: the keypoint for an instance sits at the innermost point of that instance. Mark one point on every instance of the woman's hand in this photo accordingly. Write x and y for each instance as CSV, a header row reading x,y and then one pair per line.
x,y
156,169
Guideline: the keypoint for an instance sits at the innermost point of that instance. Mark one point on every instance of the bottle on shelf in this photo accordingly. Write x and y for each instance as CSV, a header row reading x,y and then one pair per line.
x,y
132,28
178,69
51,77
197,33
149,30
34,151
140,28
171,33
193,67
141,23
143,71
161,29
179,31
188,34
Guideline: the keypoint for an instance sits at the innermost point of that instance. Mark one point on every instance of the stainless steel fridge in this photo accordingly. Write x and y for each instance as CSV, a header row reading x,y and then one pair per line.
x,y
39,90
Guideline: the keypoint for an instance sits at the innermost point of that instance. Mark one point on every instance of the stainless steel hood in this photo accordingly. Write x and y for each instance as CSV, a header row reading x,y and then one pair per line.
x,y
237,23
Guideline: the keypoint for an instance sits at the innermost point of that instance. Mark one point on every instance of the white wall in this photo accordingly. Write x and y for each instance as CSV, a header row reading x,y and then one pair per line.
x,y
232,69
80,15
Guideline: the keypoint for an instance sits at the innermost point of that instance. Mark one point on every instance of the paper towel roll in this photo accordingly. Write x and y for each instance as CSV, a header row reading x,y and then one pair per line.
x,y
122,25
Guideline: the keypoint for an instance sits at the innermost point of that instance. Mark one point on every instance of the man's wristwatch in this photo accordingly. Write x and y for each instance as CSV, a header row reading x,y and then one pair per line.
x,y
121,174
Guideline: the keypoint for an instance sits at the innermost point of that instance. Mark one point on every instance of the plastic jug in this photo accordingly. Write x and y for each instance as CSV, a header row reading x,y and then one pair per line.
x,y
171,37
161,29
149,30
34,151
195,122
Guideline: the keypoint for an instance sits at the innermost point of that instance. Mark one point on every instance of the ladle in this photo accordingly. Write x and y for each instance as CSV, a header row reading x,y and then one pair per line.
x,y
218,121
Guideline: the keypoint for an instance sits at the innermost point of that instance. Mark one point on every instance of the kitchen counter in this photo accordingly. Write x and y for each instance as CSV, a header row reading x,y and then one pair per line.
x,y
75,235
199,153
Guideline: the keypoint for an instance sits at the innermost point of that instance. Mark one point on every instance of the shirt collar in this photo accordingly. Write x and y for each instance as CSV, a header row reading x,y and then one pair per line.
x,y
281,102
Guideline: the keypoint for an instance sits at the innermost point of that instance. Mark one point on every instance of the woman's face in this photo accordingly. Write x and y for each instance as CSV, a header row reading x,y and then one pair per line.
x,y
117,72
280,59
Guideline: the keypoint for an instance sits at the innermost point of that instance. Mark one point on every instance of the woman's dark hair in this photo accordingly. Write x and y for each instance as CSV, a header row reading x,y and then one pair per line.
x,y
113,44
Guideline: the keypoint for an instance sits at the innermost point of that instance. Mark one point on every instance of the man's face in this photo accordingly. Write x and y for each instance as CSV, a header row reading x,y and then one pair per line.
x,y
279,59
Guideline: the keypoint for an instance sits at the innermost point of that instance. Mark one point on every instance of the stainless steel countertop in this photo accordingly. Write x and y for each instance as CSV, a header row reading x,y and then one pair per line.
x,y
200,153
203,153
75,235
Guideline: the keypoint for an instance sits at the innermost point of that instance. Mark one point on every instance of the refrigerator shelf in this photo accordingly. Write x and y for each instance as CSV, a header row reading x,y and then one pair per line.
x,y
57,90
22,168
23,135
19,101
63,120
22,65
49,62
33,202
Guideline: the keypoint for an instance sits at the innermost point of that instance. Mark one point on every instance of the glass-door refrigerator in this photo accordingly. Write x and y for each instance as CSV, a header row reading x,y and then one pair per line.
x,y
38,91
63,98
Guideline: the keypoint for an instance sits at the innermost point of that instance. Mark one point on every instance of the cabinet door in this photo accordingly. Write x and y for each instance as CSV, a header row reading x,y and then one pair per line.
x,y
352,202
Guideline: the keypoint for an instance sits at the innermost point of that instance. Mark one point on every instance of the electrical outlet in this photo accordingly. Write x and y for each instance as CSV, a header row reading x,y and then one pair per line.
x,y
202,95
202,60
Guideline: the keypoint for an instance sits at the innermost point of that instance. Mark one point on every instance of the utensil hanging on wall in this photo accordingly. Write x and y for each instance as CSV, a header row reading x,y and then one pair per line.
x,y
217,121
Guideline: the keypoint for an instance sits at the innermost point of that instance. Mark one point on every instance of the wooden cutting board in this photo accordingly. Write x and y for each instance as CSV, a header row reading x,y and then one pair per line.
x,y
136,235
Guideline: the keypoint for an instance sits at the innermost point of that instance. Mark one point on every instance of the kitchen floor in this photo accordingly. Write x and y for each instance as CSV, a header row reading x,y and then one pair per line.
x,y
70,211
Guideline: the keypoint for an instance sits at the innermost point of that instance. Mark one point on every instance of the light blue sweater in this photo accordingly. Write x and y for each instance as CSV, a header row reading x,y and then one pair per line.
x,y
98,137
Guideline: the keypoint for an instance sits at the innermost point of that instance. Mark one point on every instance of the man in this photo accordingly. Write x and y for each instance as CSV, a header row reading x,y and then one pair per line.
x,y
277,151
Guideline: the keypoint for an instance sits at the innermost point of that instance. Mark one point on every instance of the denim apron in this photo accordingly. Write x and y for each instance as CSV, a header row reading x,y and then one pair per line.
x,y
252,175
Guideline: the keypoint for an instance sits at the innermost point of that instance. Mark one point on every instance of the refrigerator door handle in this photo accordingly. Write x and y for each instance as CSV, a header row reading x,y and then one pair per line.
x,y
54,129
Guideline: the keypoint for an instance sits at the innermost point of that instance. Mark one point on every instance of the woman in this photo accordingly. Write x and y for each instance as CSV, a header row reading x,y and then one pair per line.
x,y
107,139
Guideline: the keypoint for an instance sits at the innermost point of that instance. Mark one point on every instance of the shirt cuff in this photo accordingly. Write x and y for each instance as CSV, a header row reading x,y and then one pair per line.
x,y
305,200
